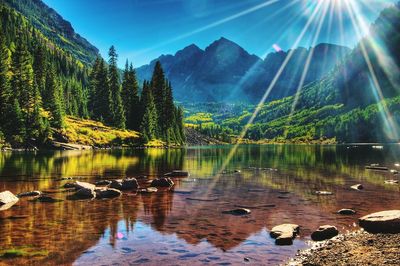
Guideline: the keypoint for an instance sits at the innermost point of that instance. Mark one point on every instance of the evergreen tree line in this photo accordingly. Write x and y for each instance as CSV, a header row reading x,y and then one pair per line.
x,y
39,83
118,102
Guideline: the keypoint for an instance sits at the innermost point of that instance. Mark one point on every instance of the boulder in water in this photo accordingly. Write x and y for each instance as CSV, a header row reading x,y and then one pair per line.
x,y
239,211
381,222
324,232
346,212
85,193
29,194
284,233
162,182
107,193
7,200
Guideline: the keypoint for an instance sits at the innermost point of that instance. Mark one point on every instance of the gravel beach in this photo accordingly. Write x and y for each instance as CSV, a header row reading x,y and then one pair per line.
x,y
356,248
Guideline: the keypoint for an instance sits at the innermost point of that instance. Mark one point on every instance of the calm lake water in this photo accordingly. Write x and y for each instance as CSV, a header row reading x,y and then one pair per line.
x,y
167,228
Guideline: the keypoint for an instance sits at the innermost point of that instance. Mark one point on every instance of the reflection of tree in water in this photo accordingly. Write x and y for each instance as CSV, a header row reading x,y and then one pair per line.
x,y
159,205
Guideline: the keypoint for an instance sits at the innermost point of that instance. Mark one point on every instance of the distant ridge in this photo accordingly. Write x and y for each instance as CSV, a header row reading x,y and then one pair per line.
x,y
225,72
55,27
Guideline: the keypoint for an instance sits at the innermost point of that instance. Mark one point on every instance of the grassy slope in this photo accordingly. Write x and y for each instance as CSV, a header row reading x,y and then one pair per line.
x,y
92,133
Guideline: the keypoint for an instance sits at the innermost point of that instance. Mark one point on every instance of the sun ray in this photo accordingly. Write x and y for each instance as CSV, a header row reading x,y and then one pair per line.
x,y
307,65
209,26
380,99
384,57
265,96
249,73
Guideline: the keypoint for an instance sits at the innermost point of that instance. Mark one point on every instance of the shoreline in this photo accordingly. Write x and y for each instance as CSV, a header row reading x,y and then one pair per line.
x,y
75,146
354,248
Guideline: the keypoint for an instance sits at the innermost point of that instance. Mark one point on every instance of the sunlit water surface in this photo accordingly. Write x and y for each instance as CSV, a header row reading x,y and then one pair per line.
x,y
167,228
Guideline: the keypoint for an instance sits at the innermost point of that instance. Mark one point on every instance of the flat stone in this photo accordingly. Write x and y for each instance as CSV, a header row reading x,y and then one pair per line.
x,y
346,212
149,190
46,199
284,233
107,193
79,185
381,222
324,193
357,187
7,197
177,173
392,182
324,232
239,211
29,194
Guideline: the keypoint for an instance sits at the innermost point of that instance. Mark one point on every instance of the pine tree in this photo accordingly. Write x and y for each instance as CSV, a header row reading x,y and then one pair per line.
x,y
130,97
116,107
148,126
102,96
135,101
40,67
54,95
6,97
158,88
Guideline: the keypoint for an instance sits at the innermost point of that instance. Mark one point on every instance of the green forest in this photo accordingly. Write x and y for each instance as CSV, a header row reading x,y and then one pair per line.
x,y
41,84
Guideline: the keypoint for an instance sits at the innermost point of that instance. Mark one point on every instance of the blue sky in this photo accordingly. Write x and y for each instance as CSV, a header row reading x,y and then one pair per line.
x,y
142,30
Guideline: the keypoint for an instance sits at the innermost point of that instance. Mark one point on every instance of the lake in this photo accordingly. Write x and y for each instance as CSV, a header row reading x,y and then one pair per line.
x,y
185,225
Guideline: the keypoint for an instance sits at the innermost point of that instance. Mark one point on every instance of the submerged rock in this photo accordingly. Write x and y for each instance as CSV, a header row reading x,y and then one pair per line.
x,y
29,194
47,199
346,212
69,185
357,187
107,193
177,173
7,200
324,232
162,182
239,211
284,233
381,222
376,167
85,193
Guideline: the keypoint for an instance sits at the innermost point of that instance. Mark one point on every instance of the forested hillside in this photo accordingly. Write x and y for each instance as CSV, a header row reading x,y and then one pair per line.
x,y
41,83
350,104
55,28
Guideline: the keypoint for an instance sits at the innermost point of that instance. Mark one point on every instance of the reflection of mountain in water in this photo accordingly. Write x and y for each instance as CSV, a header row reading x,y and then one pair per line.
x,y
68,228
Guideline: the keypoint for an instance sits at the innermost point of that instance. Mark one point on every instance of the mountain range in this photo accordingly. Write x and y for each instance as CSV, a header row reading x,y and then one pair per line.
x,y
225,72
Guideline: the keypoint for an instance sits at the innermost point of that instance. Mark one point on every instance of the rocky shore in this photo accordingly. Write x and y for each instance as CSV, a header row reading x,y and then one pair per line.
x,y
356,248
